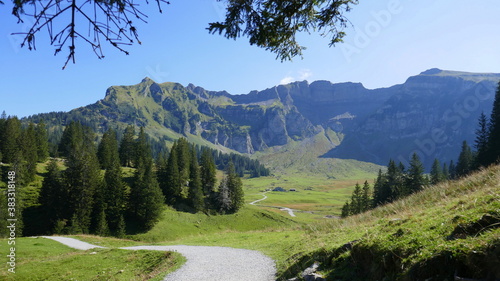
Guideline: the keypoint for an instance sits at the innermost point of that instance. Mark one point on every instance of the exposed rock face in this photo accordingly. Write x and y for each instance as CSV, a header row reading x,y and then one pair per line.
x,y
431,113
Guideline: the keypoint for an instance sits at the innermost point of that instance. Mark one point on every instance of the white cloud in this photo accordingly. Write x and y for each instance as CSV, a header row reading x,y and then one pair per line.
x,y
287,80
301,75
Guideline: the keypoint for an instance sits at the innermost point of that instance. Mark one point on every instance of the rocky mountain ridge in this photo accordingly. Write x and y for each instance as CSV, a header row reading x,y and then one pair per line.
x,y
431,113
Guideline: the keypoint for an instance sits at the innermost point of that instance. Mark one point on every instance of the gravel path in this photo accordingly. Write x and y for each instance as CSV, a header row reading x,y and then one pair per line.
x,y
73,243
257,201
218,264
290,211
203,262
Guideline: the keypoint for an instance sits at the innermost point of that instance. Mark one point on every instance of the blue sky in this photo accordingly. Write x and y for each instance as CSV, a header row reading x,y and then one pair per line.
x,y
390,40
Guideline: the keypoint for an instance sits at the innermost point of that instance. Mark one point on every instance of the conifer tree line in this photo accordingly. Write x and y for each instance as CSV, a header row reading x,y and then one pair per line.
x,y
397,182
485,151
21,148
85,191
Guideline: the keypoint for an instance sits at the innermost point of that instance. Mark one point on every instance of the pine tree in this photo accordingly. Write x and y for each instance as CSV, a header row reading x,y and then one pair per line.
x,y
395,181
494,130
126,150
30,152
436,172
356,200
465,161
415,175
235,189
345,210
107,151
69,138
481,142
146,198
208,178
381,190
121,229
11,139
42,142
82,176
142,149
446,172
53,197
171,186
183,160
224,202
114,191
366,197
195,194
102,228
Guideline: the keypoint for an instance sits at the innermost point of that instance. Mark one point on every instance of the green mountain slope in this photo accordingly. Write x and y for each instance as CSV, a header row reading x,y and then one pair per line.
x,y
431,114
445,232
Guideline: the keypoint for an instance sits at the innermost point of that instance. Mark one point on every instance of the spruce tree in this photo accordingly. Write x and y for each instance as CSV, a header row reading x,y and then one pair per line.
x,y
142,149
195,192
366,197
481,142
415,175
183,160
11,139
121,229
235,189
171,186
446,172
356,206
126,150
82,176
30,152
146,198
436,172
224,203
395,181
114,189
493,146
102,228
69,138
345,210
208,178
381,190
107,151
42,142
53,197
465,161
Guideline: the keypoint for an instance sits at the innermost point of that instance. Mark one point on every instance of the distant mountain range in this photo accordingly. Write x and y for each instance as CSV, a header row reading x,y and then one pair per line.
x,y
431,113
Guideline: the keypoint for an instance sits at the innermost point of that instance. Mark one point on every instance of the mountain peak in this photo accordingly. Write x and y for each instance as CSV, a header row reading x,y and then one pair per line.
x,y
431,71
147,79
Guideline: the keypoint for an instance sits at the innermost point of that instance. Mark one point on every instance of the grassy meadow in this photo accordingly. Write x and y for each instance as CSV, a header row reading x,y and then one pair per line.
x,y
451,225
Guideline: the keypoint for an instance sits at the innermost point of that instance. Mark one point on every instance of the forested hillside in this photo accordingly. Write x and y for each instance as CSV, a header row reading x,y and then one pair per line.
x,y
114,185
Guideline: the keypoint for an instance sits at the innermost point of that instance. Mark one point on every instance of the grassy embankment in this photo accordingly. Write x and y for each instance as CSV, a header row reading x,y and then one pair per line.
x,y
44,259
448,229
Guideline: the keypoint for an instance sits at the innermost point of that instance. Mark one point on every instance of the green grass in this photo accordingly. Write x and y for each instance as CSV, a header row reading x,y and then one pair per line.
x,y
175,225
317,196
299,159
403,240
45,259
431,234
